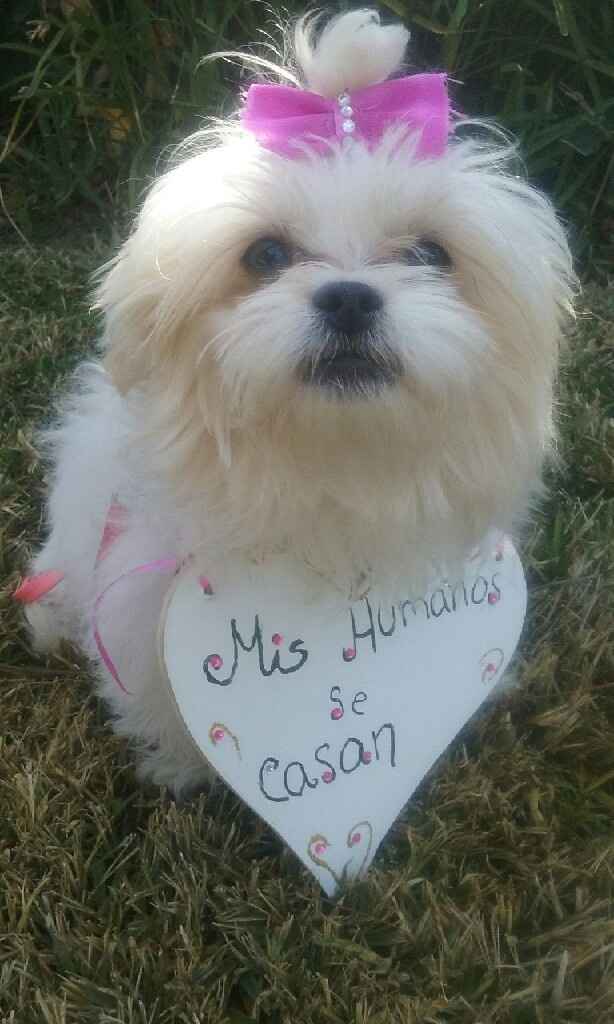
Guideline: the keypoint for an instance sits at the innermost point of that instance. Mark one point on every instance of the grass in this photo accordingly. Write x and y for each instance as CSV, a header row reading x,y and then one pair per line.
x,y
492,899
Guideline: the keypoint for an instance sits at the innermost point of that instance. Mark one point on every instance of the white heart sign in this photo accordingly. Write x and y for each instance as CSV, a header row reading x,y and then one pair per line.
x,y
325,717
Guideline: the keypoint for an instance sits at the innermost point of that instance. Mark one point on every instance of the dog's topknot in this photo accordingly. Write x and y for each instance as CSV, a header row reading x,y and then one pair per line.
x,y
351,51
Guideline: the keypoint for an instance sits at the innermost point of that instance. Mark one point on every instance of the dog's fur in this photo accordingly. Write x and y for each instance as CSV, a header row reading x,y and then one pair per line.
x,y
199,420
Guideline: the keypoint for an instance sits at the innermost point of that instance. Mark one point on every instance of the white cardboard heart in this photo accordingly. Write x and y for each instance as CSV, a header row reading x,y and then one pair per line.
x,y
325,718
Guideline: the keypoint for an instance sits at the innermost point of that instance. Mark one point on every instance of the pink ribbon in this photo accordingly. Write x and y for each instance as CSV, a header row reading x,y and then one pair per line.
x,y
162,565
32,588
281,116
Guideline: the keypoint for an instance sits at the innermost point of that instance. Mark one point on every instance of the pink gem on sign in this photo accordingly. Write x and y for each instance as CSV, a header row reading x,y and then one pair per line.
x,y
218,734
206,587
320,848
336,714
355,838
215,661
490,668
493,598
277,639
349,653
367,756
327,776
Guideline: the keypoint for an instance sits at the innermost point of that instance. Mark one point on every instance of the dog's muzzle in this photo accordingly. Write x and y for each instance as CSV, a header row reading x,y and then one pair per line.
x,y
352,357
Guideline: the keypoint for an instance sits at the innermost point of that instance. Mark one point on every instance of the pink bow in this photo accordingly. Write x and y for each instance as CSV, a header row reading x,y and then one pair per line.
x,y
279,115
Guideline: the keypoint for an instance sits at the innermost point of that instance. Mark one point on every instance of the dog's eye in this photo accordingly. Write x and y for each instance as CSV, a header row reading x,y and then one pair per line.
x,y
426,253
267,256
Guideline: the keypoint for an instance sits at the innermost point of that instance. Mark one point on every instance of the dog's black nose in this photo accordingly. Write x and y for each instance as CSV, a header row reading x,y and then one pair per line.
x,y
348,306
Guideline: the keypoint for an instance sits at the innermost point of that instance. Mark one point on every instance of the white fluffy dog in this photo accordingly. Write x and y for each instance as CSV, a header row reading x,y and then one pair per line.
x,y
347,352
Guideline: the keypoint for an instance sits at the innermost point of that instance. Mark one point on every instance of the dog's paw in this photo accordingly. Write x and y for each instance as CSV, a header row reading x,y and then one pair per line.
x,y
182,770
45,625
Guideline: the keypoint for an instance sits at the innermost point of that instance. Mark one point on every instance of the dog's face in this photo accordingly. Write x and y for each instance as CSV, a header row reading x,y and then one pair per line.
x,y
352,282
369,317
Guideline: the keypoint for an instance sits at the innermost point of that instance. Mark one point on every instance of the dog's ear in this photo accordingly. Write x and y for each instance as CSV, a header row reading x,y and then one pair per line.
x,y
141,292
151,291
127,298
179,261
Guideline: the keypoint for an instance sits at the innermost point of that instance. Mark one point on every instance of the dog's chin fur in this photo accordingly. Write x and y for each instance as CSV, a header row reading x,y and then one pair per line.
x,y
203,412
